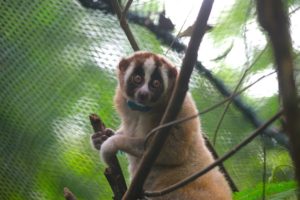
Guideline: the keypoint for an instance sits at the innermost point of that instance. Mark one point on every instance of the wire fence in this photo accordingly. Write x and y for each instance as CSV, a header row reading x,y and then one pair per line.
x,y
57,61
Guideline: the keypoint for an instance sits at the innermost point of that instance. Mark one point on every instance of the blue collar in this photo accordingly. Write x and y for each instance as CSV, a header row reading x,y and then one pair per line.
x,y
138,107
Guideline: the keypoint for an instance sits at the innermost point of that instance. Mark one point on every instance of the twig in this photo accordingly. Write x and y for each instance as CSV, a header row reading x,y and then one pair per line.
x,y
177,36
274,20
227,106
234,91
124,25
230,181
174,106
113,173
125,10
241,79
216,163
68,194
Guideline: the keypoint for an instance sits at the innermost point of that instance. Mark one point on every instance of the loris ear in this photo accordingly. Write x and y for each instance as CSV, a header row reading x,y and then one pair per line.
x,y
123,65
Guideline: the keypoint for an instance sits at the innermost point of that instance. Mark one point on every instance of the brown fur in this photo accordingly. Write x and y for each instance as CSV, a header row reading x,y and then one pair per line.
x,y
183,154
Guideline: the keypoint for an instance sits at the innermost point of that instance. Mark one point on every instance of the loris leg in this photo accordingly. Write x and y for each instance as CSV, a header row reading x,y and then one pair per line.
x,y
131,145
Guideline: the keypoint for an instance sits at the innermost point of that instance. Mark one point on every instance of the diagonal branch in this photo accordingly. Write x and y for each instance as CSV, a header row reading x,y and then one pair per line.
x,y
234,91
222,168
124,24
113,173
174,106
125,10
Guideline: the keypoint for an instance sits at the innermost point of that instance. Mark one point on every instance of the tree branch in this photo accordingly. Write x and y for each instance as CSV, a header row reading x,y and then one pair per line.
x,y
125,10
113,173
174,106
124,24
216,163
273,19
230,181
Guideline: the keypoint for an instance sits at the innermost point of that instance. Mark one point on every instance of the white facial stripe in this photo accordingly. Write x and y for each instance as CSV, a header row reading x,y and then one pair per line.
x,y
164,74
149,67
128,72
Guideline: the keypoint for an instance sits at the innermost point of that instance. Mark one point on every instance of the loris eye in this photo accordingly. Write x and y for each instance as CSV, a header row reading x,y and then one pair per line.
x,y
156,83
137,79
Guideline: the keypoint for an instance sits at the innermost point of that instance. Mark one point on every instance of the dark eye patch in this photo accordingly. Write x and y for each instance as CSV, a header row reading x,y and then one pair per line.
x,y
157,91
139,70
131,85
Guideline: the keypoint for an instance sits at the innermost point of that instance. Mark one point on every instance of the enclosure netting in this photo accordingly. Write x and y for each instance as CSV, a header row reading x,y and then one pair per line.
x,y
57,62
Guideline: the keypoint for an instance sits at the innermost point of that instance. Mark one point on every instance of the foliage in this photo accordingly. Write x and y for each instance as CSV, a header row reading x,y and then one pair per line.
x,y
274,191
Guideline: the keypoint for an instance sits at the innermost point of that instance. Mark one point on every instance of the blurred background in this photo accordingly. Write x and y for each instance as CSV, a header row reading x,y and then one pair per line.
x,y
57,66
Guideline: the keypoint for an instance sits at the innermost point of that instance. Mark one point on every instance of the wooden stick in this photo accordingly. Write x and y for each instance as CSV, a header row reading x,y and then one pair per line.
x,y
174,106
113,173
273,18
124,24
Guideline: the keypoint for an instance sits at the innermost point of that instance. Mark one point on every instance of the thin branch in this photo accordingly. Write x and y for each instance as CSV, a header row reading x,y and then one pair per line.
x,y
274,20
125,10
241,79
234,91
295,10
174,106
124,25
177,36
113,173
216,163
230,181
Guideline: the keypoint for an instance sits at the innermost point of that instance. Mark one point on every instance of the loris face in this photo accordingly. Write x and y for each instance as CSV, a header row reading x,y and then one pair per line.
x,y
145,78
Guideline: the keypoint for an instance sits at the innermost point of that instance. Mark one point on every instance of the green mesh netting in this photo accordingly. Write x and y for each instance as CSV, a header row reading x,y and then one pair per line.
x,y
57,63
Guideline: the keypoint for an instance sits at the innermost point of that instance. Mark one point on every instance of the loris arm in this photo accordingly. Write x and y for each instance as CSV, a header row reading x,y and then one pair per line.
x,y
131,145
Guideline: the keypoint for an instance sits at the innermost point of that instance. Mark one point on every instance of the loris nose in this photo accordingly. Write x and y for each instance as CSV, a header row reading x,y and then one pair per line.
x,y
143,96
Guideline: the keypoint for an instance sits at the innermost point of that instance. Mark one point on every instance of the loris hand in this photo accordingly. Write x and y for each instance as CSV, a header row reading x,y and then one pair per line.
x,y
99,137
